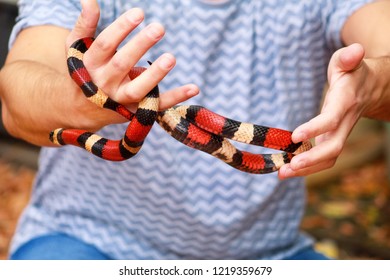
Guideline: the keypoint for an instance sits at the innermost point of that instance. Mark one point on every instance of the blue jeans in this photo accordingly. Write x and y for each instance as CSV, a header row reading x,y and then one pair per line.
x,y
57,247
308,254
63,247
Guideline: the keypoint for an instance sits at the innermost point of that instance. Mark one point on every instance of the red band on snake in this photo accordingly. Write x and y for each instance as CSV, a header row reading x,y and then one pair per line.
x,y
194,126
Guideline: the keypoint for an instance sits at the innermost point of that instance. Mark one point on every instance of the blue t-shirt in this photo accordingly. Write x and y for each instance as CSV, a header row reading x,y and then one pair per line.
x,y
263,62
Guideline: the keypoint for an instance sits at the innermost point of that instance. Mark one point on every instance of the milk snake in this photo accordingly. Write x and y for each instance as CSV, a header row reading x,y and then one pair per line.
x,y
194,126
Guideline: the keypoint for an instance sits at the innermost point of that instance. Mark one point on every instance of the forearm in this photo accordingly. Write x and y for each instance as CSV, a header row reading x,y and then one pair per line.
x,y
34,84
379,101
37,93
369,27
31,95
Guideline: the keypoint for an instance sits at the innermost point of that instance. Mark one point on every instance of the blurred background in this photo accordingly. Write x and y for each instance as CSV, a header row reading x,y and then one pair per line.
x,y
348,210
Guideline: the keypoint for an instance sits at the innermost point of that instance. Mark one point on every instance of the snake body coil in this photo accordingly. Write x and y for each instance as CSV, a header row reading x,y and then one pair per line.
x,y
194,126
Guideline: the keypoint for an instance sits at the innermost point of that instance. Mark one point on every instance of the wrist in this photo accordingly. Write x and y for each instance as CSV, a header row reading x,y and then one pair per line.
x,y
378,102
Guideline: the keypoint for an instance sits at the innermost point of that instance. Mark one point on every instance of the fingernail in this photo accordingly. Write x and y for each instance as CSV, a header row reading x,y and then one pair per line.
x,y
136,15
300,136
167,61
193,90
297,164
191,93
285,172
154,31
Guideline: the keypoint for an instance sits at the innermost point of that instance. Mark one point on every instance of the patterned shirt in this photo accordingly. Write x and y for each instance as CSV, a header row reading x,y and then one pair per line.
x,y
263,62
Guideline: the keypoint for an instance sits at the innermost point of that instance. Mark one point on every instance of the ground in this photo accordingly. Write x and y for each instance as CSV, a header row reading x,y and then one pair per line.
x,y
15,187
350,217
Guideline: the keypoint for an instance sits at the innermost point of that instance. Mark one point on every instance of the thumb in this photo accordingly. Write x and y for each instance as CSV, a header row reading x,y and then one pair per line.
x,y
345,60
86,23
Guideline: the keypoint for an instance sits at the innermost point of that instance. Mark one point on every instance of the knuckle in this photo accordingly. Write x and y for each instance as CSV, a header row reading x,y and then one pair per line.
x,y
102,44
333,122
133,95
337,148
102,82
119,64
331,163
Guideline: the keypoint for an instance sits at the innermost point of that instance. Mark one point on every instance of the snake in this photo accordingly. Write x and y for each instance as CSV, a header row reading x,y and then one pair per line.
x,y
193,125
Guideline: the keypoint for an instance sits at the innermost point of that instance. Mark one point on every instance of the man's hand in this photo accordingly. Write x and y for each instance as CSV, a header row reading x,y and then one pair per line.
x,y
345,101
38,94
357,88
110,68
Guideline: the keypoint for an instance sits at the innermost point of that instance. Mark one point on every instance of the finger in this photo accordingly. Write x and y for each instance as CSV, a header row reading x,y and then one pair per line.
x,y
126,57
135,90
325,122
345,60
326,151
86,23
339,102
172,97
286,171
106,44
175,96
328,145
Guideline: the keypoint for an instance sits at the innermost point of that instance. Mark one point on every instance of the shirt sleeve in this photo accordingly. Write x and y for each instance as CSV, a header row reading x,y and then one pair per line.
x,y
45,12
336,15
